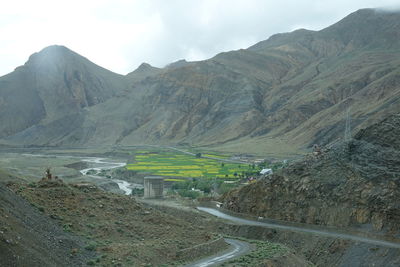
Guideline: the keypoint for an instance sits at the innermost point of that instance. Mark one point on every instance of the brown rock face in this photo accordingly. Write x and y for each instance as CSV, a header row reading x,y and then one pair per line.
x,y
354,184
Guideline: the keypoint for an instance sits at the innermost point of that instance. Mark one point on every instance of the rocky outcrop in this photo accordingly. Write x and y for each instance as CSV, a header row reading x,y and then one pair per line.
x,y
355,184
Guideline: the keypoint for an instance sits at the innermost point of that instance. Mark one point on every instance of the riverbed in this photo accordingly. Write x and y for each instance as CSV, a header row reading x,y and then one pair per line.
x,y
30,167
100,164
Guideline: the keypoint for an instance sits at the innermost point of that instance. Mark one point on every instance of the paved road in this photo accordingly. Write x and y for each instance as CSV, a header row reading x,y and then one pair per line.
x,y
237,249
328,233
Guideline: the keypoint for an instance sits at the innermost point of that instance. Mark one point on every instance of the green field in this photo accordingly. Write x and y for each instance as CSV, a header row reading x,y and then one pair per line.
x,y
175,164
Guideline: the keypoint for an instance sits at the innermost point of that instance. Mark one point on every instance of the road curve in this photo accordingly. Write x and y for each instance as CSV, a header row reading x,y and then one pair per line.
x,y
237,249
328,233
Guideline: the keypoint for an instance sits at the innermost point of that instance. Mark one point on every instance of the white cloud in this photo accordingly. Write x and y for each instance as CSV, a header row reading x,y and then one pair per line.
x,y
121,34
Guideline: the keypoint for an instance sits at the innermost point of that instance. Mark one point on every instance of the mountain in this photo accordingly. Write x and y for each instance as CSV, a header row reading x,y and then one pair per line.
x,y
49,95
279,96
143,71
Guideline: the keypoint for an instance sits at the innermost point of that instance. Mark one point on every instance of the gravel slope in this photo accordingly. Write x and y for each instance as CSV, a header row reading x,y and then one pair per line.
x,y
30,238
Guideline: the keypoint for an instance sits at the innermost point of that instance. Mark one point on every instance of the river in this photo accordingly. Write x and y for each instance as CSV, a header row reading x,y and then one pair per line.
x,y
99,164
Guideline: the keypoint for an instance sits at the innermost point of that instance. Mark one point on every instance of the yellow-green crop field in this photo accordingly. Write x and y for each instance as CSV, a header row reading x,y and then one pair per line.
x,y
175,164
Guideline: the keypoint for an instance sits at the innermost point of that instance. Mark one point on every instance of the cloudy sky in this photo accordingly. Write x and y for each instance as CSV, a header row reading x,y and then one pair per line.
x,y
121,34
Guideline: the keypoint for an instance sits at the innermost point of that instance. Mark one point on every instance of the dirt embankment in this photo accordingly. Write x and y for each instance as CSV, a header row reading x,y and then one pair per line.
x,y
355,184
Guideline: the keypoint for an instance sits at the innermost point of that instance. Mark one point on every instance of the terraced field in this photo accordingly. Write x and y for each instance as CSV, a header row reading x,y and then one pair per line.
x,y
174,164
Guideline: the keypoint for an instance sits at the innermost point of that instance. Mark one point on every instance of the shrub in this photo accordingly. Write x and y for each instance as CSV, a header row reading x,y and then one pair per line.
x,y
91,226
32,184
188,193
67,227
138,191
91,246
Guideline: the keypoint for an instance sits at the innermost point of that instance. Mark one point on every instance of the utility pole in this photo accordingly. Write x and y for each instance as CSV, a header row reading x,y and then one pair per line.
x,y
347,131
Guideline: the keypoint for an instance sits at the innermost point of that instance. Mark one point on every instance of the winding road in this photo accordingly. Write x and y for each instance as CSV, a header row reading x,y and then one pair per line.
x,y
237,249
321,232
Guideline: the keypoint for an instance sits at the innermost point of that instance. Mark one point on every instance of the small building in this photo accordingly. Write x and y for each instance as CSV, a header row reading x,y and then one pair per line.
x,y
258,161
153,187
266,171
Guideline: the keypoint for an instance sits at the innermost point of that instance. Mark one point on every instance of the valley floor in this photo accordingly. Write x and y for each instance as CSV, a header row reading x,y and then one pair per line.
x,y
117,230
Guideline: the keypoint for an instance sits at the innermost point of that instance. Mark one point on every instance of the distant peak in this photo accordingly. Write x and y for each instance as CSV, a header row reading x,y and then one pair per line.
x,y
180,61
145,65
368,12
50,54
144,69
365,10
385,9
178,64
388,9
55,48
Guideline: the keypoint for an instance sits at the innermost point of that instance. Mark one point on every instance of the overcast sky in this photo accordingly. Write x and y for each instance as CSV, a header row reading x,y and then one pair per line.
x,y
121,34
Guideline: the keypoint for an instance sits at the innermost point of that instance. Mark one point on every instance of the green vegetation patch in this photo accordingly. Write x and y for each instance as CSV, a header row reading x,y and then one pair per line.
x,y
175,164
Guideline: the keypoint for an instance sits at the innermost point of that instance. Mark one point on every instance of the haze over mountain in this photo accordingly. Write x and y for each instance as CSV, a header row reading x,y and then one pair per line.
x,y
282,94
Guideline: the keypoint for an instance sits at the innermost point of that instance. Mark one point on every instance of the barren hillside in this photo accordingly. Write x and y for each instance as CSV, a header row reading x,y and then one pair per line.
x,y
278,96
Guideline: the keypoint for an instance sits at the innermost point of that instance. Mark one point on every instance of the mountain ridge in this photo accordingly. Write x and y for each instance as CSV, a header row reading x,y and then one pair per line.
x,y
284,93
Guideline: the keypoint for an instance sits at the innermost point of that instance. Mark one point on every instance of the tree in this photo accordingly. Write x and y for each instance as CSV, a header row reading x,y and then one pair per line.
x,y
198,155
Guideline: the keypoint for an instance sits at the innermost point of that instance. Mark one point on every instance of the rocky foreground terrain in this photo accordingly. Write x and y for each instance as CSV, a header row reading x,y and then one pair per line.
x,y
50,223
278,96
54,224
354,184
27,238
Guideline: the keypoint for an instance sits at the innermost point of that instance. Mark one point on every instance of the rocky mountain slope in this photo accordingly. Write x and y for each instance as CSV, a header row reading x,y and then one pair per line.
x,y
28,238
49,95
51,223
280,95
355,184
